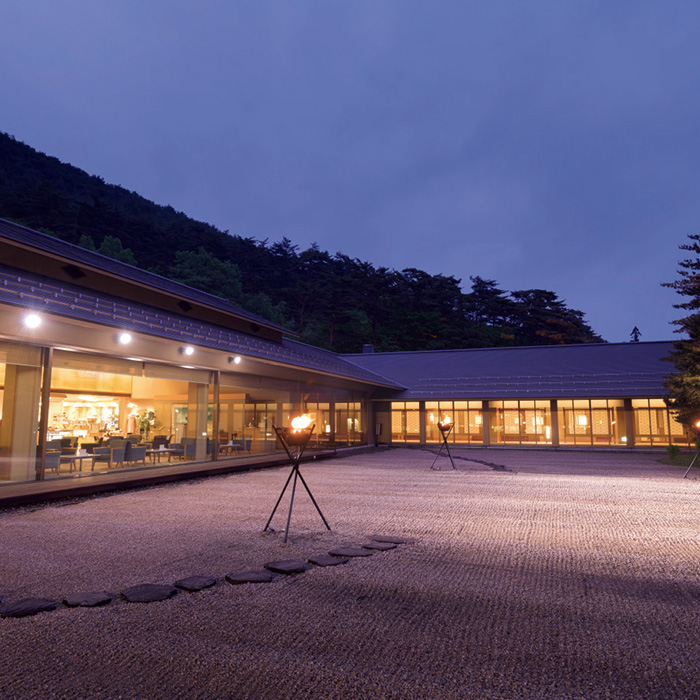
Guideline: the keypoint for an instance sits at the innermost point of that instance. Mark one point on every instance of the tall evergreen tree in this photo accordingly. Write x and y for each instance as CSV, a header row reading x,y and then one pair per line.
x,y
684,385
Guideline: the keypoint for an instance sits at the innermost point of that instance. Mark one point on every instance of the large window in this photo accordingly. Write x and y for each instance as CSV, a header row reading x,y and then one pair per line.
x,y
348,423
465,416
592,422
321,418
521,422
655,426
97,402
405,421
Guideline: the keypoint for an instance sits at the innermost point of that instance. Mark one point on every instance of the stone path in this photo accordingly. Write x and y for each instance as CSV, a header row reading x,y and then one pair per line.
x,y
154,592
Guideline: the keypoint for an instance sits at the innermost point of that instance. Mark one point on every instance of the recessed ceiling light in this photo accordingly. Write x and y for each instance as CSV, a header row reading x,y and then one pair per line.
x,y
124,338
187,350
32,320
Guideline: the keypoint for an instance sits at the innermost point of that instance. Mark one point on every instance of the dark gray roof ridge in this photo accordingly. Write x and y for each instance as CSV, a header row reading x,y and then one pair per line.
x,y
506,347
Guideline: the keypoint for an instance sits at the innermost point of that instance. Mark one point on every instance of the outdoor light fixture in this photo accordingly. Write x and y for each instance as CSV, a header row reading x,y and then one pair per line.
x,y
296,437
32,320
235,360
445,426
187,350
124,338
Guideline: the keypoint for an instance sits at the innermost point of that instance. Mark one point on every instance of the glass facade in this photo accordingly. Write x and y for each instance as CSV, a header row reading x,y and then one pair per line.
x,y
466,418
593,422
349,423
65,413
576,422
521,422
405,421
654,426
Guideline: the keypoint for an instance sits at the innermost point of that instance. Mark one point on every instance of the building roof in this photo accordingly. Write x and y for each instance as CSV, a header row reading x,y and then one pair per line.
x,y
607,370
79,259
21,288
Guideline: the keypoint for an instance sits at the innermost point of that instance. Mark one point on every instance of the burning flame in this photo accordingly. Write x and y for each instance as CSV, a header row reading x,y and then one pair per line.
x,y
301,422
445,421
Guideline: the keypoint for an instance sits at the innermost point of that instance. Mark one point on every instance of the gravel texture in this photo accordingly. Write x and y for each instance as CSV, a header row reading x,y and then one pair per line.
x,y
522,575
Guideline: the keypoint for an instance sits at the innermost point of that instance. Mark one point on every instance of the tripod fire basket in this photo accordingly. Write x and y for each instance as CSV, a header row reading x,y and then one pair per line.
x,y
445,426
294,440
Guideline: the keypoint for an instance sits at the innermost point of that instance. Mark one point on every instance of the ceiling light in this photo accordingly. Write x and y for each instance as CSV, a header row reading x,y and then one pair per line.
x,y
235,360
124,338
32,320
187,350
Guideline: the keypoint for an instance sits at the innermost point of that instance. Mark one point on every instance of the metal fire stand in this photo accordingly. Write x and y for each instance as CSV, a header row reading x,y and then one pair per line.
x,y
445,430
294,443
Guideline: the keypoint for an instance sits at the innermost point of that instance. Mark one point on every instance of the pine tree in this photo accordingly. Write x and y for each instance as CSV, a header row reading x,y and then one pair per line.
x,y
684,385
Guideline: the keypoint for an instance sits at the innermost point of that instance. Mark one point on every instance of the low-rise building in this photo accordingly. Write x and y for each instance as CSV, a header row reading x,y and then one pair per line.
x,y
95,353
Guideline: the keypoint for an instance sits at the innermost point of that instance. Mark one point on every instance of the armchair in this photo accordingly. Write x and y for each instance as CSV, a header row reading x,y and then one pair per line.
x,y
111,455
53,460
134,453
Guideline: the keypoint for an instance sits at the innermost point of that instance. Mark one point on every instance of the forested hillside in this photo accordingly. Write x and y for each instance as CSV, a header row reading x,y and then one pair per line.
x,y
331,300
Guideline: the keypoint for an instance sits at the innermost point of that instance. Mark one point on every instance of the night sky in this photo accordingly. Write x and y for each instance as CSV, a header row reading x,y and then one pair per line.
x,y
541,144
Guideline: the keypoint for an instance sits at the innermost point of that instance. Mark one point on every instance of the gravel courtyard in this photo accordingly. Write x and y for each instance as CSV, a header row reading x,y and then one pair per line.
x,y
530,575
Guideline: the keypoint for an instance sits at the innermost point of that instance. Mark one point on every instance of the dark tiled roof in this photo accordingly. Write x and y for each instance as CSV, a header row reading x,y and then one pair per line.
x,y
552,371
42,294
81,256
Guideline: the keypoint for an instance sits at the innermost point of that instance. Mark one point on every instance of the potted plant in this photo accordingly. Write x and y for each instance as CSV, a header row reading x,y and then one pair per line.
x,y
146,422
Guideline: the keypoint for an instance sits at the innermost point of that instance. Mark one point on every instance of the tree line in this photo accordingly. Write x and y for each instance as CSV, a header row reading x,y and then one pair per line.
x,y
330,300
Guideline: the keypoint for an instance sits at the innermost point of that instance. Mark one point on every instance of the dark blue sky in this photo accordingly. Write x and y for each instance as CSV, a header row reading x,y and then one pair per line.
x,y
541,144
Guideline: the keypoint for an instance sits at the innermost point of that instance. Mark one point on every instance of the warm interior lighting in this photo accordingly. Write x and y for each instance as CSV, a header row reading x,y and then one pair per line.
x,y
124,338
32,320
301,422
582,420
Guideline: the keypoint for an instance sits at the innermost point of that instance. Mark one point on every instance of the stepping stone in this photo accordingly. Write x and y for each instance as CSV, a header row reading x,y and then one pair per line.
x,y
27,606
286,566
391,539
249,577
89,599
379,546
149,592
350,552
327,560
195,583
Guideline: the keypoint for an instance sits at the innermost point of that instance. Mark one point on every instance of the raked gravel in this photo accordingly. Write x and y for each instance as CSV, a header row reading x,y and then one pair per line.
x,y
530,575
